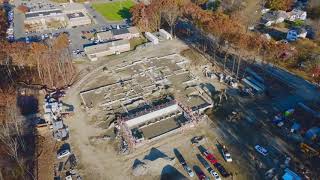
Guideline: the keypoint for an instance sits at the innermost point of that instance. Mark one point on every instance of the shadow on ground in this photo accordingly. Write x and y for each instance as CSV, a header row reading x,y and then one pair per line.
x,y
169,172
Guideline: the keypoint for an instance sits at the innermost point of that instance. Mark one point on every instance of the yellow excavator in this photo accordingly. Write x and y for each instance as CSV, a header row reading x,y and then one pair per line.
x,y
308,150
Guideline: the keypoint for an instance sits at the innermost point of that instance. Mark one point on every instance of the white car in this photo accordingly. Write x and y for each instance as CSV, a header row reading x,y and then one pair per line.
x,y
27,40
226,154
63,153
261,150
189,170
215,175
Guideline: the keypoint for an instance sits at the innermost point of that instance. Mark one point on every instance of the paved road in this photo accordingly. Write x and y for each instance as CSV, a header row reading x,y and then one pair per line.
x,y
18,27
95,16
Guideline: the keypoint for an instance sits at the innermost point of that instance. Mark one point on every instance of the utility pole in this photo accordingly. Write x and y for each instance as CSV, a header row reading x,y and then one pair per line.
x,y
226,56
239,61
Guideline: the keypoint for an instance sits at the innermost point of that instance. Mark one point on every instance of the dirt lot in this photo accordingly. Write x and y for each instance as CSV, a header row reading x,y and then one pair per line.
x,y
47,148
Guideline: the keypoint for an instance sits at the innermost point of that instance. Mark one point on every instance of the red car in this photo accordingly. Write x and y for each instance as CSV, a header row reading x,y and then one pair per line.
x,y
210,157
201,174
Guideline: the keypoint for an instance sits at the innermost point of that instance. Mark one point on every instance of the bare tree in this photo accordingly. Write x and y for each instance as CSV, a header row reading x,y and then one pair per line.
x,y
12,137
171,14
9,141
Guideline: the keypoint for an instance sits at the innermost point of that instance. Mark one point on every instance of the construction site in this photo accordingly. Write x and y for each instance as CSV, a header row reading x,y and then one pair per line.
x,y
149,97
135,108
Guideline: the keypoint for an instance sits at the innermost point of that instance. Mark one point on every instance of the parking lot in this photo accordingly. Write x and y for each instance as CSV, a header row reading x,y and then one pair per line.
x,y
77,42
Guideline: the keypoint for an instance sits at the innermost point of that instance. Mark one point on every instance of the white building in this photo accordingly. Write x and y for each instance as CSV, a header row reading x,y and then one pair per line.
x,y
165,34
273,17
127,33
72,14
297,14
100,50
77,19
44,16
152,38
165,112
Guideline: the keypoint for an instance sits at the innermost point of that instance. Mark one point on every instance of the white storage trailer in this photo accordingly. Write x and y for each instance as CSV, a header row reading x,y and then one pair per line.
x,y
152,38
165,34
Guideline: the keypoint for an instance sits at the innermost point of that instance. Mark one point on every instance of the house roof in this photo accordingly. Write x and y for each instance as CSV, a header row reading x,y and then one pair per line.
x,y
43,13
75,15
274,15
113,32
104,35
296,12
104,46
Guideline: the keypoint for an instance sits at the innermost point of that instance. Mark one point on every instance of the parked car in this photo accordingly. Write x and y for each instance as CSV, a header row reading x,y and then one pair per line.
x,y
261,150
226,154
183,162
123,26
63,153
201,175
221,170
215,175
210,157
27,40
188,169
196,139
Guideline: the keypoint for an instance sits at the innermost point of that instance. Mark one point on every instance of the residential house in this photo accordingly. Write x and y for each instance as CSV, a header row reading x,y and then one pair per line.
x,y
296,33
297,14
273,17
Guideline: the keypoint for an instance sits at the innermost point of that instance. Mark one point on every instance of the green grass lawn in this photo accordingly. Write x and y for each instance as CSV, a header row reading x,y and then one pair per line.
x,y
114,11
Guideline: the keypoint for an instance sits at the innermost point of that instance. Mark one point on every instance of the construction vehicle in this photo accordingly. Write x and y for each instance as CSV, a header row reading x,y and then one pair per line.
x,y
309,151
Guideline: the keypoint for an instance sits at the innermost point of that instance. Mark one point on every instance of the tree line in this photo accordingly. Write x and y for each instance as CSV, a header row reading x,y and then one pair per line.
x,y
47,64
226,28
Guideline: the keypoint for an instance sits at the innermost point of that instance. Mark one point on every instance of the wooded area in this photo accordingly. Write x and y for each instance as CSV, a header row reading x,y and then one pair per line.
x,y
284,5
224,27
148,18
46,65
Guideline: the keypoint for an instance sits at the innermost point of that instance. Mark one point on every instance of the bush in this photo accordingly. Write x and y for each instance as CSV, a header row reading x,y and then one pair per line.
x,y
298,23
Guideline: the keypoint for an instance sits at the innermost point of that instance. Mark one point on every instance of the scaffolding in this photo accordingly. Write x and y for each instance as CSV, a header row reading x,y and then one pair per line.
x,y
193,118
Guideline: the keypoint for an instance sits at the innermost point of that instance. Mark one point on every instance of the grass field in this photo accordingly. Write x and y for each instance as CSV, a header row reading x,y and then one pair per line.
x,y
114,11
